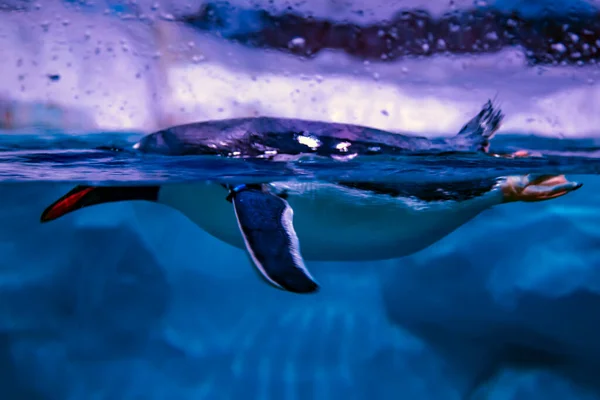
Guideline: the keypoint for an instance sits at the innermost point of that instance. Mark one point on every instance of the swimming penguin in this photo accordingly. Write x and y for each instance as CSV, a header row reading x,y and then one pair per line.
x,y
281,224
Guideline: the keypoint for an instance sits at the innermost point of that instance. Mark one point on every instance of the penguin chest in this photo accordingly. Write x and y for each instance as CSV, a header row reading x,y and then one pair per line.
x,y
340,224
332,223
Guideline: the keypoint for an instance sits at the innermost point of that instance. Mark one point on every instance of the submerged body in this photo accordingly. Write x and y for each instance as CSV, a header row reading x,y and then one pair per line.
x,y
334,222
282,223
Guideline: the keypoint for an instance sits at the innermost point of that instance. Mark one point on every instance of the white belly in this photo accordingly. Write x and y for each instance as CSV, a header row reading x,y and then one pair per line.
x,y
334,223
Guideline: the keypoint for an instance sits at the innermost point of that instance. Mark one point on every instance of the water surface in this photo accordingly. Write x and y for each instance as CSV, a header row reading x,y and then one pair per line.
x,y
61,157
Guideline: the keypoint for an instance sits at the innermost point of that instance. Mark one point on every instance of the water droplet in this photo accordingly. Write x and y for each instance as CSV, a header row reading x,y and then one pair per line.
x,y
491,36
574,37
376,76
559,47
297,42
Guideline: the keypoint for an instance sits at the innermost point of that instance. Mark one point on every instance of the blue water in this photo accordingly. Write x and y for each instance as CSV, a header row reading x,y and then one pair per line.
x,y
133,301
128,301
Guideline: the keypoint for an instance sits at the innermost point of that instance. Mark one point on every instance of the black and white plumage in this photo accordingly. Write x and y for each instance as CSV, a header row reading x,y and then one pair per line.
x,y
281,224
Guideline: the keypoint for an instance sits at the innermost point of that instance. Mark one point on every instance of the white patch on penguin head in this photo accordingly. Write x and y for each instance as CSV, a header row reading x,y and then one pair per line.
x,y
343,146
309,141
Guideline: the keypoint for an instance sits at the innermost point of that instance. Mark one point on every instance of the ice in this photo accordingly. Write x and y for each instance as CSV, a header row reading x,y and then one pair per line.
x,y
518,285
126,73
515,383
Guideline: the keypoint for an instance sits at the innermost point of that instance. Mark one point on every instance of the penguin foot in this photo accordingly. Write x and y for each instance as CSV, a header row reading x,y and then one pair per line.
x,y
531,188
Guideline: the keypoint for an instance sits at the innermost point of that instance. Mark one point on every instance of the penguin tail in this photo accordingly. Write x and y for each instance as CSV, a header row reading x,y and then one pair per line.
x,y
475,136
84,196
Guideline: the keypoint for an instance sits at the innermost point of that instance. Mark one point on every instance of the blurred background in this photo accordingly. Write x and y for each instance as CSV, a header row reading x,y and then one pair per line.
x,y
402,65
133,301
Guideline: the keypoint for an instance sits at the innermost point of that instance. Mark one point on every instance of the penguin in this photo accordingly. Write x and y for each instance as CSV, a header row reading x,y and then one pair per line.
x,y
283,223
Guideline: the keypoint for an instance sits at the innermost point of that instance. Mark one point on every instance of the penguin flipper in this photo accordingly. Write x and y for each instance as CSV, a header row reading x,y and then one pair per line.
x,y
265,222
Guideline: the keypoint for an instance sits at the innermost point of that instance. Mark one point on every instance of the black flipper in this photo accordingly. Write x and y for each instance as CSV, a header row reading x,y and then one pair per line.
x,y
265,222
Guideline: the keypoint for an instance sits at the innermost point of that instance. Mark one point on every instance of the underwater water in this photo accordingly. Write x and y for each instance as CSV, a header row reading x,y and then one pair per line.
x,y
132,300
